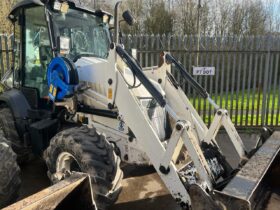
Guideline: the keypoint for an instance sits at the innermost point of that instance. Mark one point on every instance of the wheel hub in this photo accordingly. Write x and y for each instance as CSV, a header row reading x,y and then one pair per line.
x,y
66,163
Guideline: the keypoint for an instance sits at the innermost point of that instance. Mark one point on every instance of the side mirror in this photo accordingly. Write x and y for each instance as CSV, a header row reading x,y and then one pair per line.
x,y
128,18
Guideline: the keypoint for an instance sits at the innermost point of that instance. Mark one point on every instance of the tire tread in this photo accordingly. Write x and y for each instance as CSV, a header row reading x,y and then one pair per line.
x,y
95,156
9,173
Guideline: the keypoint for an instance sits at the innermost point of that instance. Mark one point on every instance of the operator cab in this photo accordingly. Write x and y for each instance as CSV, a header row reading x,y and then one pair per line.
x,y
57,28
85,34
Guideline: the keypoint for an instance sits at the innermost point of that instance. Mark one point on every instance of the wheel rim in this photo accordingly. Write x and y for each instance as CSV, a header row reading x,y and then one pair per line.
x,y
66,162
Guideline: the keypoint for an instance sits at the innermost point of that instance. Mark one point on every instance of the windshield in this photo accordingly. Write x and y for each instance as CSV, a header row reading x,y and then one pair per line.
x,y
88,35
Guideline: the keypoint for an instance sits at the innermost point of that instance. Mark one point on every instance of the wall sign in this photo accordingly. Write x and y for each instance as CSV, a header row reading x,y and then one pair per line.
x,y
203,70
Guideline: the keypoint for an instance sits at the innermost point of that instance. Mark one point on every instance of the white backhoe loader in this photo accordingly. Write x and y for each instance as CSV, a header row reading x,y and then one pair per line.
x,y
72,73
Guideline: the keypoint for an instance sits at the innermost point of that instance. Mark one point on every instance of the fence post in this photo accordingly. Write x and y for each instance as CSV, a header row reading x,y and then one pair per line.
x,y
276,91
1,58
152,48
141,48
11,37
147,40
266,73
7,52
158,48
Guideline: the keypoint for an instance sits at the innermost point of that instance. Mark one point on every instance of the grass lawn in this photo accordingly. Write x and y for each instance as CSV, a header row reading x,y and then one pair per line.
x,y
241,107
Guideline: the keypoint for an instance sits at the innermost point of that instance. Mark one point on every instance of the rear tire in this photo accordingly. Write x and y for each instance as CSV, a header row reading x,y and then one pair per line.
x,y
9,173
83,149
7,124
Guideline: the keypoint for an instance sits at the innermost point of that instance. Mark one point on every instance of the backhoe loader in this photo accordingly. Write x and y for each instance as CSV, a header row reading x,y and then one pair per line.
x,y
81,101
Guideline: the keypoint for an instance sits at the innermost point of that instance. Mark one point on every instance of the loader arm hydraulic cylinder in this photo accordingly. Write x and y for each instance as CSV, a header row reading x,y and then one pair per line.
x,y
137,71
187,76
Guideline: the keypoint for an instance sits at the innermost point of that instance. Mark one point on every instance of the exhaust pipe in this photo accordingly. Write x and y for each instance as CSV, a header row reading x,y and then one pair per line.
x,y
116,23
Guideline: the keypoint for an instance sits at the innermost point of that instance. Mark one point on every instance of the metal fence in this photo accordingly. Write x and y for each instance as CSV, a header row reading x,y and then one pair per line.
x,y
247,74
246,80
6,46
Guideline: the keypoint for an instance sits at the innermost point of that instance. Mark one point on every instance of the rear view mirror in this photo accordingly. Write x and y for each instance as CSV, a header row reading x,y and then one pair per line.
x,y
128,18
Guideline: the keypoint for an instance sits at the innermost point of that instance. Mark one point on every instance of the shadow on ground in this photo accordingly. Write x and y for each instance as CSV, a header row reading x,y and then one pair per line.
x,y
164,202
142,188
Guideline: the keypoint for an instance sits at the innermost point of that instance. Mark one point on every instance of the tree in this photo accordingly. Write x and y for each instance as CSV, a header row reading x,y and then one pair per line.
x,y
256,19
159,20
217,17
238,22
5,8
186,11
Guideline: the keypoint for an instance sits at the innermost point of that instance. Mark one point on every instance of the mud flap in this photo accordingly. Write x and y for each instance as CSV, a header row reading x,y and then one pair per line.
x,y
72,193
253,185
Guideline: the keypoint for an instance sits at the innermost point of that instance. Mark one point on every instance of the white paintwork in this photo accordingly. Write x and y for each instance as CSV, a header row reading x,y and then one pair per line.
x,y
171,146
148,147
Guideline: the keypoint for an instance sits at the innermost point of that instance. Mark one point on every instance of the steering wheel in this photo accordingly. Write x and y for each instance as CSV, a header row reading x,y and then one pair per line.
x,y
80,41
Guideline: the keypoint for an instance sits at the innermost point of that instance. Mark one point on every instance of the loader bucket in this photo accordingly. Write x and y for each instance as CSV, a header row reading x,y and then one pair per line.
x,y
72,193
257,184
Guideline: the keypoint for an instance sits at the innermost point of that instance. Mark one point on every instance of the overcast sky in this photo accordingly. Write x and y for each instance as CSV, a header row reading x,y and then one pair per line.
x,y
273,4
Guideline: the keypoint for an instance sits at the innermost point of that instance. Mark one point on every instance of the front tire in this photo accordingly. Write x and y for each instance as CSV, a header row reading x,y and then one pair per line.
x,y
9,173
83,149
7,124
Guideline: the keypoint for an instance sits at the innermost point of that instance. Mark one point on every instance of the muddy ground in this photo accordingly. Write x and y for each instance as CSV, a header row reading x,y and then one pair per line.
x,y
142,187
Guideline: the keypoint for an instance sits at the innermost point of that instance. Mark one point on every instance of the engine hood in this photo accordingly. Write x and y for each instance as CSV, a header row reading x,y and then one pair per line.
x,y
92,71
90,61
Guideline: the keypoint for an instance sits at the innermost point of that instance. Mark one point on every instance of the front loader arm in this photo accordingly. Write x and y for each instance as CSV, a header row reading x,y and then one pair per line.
x,y
179,102
138,121
189,126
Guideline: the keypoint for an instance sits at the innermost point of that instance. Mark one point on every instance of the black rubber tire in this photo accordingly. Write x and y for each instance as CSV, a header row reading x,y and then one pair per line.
x,y
7,124
95,156
9,173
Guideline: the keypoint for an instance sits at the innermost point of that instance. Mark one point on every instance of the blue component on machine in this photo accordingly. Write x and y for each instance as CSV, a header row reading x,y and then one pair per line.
x,y
62,78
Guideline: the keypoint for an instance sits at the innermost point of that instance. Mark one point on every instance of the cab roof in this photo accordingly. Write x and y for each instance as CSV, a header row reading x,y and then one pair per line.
x,y
25,3
31,3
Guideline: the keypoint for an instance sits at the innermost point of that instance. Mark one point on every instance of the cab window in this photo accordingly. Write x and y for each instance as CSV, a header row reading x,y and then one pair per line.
x,y
37,50
88,34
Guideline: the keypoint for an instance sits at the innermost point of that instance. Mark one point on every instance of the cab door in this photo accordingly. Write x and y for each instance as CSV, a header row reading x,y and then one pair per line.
x,y
37,52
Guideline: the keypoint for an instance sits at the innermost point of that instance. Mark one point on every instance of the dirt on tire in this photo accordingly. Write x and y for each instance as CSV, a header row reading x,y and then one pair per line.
x,y
9,173
95,156
7,124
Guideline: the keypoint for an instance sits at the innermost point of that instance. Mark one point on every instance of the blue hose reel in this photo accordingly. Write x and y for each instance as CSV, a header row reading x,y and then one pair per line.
x,y
62,78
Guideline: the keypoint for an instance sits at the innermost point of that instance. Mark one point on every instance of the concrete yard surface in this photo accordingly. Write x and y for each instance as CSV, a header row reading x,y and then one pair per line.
x,y
142,187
